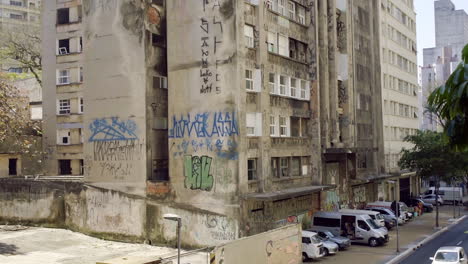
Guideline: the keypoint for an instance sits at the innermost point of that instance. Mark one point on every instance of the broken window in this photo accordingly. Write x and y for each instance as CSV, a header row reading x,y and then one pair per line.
x,y
12,166
63,137
295,127
63,46
252,169
65,167
63,16
297,50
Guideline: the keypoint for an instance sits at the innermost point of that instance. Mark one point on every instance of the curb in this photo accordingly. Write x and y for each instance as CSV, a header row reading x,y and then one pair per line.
x,y
410,250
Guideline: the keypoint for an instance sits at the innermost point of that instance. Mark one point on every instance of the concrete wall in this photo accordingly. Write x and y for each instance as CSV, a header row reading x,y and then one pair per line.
x,y
282,245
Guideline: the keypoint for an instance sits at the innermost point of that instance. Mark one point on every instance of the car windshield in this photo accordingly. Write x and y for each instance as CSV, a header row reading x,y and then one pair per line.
x,y
446,256
372,224
329,234
315,239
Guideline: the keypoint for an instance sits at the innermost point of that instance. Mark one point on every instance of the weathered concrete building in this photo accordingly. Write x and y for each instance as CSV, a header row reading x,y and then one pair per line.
x,y
400,103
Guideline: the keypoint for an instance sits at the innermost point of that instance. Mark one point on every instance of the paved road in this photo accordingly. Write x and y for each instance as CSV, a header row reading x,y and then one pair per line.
x,y
455,236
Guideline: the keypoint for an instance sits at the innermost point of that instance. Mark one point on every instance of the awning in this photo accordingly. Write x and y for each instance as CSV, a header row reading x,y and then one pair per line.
x,y
288,193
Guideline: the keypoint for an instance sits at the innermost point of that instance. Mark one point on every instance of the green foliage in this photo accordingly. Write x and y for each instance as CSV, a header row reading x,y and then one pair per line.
x,y
430,155
451,102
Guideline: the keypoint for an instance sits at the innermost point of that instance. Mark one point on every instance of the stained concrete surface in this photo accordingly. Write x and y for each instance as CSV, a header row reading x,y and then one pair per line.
x,y
59,246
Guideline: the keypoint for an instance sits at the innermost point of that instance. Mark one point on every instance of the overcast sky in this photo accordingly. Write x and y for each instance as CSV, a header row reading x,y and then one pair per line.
x,y
425,23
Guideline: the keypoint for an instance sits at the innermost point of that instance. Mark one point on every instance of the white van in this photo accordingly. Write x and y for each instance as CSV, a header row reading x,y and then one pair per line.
x,y
359,228
448,194
312,246
376,216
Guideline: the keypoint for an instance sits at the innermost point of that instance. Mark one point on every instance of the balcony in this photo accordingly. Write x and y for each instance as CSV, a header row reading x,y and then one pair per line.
x,y
70,149
70,57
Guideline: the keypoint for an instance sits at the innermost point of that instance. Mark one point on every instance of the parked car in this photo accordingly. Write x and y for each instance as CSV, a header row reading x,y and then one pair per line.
x,y
329,247
431,198
378,219
446,255
389,216
312,246
415,201
384,204
342,242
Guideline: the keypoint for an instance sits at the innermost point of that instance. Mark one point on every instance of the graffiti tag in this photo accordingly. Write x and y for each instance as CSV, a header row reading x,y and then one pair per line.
x,y
113,129
202,125
197,173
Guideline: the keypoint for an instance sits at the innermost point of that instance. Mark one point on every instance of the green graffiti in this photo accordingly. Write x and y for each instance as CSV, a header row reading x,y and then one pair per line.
x,y
197,173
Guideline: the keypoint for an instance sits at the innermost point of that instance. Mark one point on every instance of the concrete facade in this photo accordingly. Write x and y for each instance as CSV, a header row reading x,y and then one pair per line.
x,y
400,105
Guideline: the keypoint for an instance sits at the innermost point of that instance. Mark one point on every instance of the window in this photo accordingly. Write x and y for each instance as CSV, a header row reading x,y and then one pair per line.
x,y
64,107
63,46
303,89
272,82
249,36
272,126
306,240
301,14
15,69
81,74
272,42
63,77
252,169
282,84
293,87
65,167
292,10
283,45
275,167
63,137
81,105
282,7
16,3
283,126
159,82
295,127
284,167
296,166
16,16
254,124
329,222
80,132
249,80
63,16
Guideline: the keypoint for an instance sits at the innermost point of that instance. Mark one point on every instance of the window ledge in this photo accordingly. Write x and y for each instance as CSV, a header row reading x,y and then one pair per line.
x,y
69,84
253,182
70,53
290,178
288,58
290,97
69,23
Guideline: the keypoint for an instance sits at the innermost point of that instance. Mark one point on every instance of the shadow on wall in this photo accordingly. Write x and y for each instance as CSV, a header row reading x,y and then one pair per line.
x,y
8,249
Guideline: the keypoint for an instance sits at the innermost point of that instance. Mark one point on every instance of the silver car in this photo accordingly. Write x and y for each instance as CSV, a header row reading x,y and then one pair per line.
x,y
329,247
431,198
342,242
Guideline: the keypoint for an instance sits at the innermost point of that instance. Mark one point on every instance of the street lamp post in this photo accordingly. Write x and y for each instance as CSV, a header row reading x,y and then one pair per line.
x,y
397,212
174,217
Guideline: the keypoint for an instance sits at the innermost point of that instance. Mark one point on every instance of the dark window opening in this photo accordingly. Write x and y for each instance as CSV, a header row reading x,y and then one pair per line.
x,y
65,167
63,16
12,166
295,127
160,170
81,167
158,41
252,169
64,46
297,50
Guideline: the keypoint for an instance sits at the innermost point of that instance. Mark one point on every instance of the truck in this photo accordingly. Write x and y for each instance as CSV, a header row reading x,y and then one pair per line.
x,y
448,194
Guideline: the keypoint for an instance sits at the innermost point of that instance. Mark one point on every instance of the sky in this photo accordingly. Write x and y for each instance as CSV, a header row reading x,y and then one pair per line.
x,y
425,23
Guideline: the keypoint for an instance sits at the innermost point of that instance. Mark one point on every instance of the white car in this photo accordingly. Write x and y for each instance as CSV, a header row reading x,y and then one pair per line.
x,y
446,255
431,198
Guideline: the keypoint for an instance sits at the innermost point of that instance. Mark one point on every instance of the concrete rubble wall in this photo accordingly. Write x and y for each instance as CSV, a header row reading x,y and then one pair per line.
x,y
109,214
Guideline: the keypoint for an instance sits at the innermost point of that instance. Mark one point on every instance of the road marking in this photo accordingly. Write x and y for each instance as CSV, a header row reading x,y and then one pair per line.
x,y
459,243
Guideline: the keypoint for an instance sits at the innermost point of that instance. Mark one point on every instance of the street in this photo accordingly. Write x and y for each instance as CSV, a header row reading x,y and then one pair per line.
x,y
456,236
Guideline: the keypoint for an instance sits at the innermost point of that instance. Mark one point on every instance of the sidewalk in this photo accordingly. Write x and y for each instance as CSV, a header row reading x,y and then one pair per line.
x,y
410,234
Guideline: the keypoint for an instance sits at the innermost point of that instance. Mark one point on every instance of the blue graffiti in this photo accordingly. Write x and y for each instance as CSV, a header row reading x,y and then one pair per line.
x,y
113,129
226,149
204,125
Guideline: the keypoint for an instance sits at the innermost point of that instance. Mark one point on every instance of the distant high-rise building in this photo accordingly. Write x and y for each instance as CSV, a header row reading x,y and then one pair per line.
x,y
451,33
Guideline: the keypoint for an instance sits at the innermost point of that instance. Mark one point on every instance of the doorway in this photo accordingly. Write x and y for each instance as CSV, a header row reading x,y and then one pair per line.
x,y
12,167
65,167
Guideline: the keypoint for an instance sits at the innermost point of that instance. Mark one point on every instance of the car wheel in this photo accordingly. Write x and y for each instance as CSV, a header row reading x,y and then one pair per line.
x,y
440,204
373,242
304,257
326,252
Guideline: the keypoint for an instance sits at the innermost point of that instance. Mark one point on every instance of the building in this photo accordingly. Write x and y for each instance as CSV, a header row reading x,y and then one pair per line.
x,y
62,79
400,102
14,15
451,34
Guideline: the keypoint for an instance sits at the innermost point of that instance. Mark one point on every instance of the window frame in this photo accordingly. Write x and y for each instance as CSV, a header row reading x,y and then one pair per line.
x,y
284,166
252,170
80,105
273,126
272,85
63,79
283,127
249,36
293,88
64,107
249,80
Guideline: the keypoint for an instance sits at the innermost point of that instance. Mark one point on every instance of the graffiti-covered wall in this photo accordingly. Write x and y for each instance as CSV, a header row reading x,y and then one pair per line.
x,y
204,110
115,83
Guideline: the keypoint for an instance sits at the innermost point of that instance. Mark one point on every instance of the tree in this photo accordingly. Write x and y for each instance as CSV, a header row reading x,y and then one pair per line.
x,y
22,45
451,101
430,157
18,132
